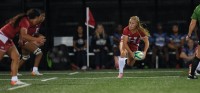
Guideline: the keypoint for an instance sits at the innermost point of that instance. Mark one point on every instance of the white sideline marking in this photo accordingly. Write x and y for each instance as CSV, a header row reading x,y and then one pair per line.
x,y
63,73
117,72
49,79
126,77
17,87
73,73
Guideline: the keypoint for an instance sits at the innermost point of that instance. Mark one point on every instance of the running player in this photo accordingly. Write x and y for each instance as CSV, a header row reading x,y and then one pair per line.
x,y
132,34
18,24
32,46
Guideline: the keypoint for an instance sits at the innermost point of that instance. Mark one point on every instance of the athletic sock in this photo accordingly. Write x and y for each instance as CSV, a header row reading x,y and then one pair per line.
x,y
14,78
194,65
35,69
121,64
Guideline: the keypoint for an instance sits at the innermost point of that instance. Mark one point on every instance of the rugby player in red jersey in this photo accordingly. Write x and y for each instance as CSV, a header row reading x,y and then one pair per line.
x,y
131,36
17,25
28,47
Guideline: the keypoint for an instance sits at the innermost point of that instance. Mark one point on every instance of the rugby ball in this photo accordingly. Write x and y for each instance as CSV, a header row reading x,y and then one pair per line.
x,y
138,55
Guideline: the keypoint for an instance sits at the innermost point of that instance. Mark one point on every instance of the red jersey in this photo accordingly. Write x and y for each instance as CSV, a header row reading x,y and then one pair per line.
x,y
10,32
33,29
133,38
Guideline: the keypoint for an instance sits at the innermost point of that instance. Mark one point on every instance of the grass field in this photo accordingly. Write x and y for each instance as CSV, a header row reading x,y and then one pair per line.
x,y
103,81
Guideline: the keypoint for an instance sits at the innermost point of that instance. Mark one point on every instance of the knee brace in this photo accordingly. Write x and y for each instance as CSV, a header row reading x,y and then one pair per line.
x,y
25,57
37,51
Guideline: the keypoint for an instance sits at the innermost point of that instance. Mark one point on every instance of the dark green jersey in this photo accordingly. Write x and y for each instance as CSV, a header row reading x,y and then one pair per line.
x,y
196,14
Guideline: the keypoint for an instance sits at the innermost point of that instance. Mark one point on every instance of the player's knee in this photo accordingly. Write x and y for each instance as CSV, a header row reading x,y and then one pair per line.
x,y
37,51
123,54
25,57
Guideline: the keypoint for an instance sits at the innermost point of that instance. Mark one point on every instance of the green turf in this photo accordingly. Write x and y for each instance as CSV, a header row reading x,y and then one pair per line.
x,y
105,81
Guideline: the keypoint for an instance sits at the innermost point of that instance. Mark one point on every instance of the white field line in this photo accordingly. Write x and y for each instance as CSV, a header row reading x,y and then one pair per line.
x,y
103,72
17,87
127,77
47,73
73,73
49,79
